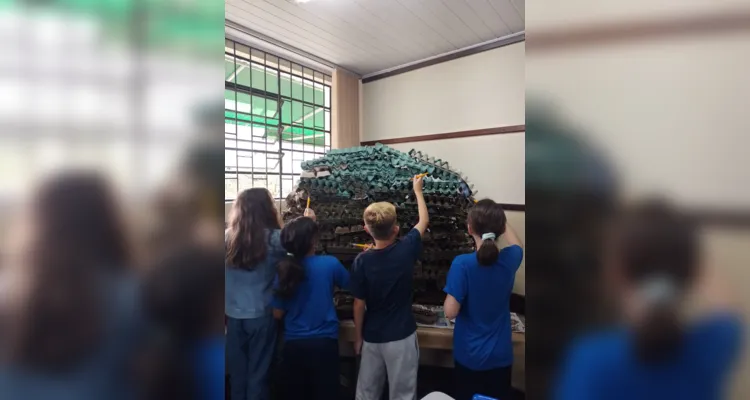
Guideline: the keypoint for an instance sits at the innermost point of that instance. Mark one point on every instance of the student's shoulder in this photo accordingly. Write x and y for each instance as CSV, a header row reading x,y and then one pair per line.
x,y
327,260
599,349
465,260
718,335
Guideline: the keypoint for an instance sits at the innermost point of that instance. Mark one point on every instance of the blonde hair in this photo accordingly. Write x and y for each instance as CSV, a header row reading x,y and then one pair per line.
x,y
380,218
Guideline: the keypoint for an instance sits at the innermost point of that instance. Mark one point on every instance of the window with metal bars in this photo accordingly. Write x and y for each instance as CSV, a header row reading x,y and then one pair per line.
x,y
277,114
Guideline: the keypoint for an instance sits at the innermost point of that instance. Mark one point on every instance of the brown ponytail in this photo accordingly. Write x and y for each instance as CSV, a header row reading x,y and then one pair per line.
x,y
487,219
298,238
657,246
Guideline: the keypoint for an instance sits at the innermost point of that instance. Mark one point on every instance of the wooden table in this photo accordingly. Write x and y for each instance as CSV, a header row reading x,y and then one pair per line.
x,y
439,342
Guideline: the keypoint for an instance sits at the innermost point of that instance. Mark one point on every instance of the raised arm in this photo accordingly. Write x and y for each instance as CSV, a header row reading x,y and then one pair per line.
x,y
511,236
424,216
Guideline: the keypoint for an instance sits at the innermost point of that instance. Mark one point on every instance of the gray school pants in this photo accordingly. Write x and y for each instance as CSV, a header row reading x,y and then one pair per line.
x,y
398,361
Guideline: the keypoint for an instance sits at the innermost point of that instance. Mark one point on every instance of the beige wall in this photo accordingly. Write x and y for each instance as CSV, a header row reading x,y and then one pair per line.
x,y
484,90
669,113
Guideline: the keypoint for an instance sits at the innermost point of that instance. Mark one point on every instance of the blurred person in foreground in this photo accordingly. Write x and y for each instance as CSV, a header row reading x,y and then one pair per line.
x,y
661,351
70,324
183,357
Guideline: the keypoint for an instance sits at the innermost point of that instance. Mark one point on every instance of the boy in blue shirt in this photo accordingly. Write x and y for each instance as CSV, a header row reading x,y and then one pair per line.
x,y
303,298
478,295
382,287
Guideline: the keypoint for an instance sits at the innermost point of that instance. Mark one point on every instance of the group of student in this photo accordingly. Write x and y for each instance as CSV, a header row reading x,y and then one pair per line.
x,y
273,273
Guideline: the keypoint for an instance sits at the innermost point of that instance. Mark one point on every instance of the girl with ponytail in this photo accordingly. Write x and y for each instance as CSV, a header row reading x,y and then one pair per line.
x,y
654,267
303,299
478,292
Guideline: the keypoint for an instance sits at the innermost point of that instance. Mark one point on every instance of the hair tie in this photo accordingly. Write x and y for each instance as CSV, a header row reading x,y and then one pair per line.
x,y
290,254
488,236
658,290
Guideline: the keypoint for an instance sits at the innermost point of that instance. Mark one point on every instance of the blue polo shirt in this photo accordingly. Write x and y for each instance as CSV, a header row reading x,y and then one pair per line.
x,y
604,365
482,335
383,279
310,313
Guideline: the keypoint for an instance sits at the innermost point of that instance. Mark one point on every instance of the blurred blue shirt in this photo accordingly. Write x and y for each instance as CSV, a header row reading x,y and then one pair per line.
x,y
247,294
482,335
104,375
209,368
310,312
604,365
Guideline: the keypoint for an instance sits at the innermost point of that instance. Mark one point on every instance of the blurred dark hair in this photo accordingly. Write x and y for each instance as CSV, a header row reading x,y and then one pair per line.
x,y
297,238
77,238
487,217
253,215
655,240
183,300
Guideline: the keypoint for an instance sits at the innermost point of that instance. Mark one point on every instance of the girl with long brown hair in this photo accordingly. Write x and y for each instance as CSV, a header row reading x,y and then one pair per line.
x,y
253,251
69,331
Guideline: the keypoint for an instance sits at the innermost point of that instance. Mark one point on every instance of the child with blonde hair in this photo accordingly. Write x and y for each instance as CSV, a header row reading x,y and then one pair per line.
x,y
381,282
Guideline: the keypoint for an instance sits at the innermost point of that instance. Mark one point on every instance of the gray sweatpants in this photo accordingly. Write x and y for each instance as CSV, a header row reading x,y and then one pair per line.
x,y
398,361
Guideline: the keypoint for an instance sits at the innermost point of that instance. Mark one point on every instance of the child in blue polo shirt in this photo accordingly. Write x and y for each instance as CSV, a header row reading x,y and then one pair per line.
x,y
303,298
478,292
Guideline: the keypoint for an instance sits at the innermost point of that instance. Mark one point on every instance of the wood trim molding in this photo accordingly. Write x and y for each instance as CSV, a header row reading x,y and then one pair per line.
x,y
450,135
514,207
512,39
593,35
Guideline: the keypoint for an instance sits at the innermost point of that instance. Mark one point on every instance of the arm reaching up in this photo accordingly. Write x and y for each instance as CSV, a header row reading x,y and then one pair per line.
x,y
511,236
424,216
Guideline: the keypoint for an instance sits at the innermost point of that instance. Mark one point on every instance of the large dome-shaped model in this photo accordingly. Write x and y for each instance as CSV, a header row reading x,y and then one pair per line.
x,y
344,182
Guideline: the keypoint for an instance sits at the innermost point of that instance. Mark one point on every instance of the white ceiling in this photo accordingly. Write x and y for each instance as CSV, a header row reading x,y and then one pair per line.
x,y
366,36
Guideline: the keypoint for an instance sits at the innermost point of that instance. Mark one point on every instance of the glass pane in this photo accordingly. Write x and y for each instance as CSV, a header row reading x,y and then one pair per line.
x,y
228,46
320,140
327,91
230,159
229,74
285,65
327,126
272,81
286,161
258,78
308,121
285,84
287,186
318,77
286,112
297,158
259,106
272,61
241,50
229,100
297,112
296,88
243,102
319,118
243,73
230,142
245,181
272,109
328,139
296,69
230,186
230,127
307,73
308,91
327,80
258,56
319,96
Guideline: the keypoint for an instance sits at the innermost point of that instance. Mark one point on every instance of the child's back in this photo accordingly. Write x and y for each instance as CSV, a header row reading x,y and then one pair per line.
x,y
381,283
383,279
